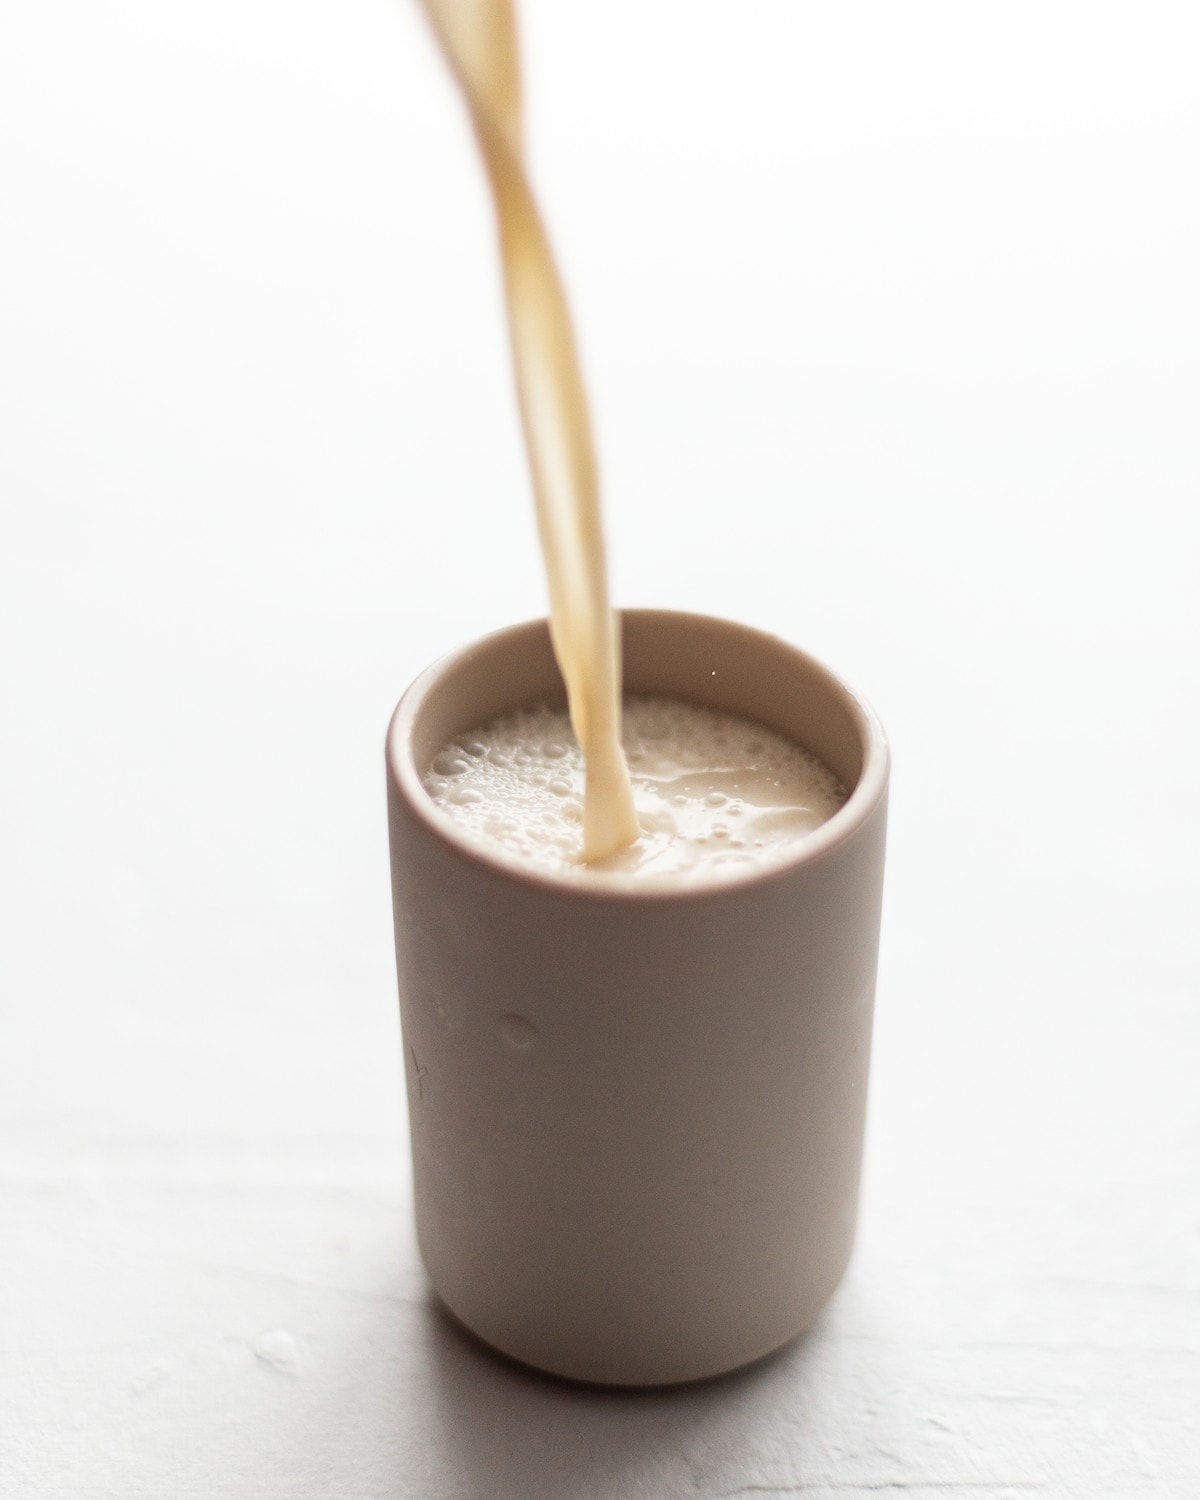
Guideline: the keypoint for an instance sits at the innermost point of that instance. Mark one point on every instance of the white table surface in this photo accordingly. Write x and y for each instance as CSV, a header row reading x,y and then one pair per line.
x,y
911,379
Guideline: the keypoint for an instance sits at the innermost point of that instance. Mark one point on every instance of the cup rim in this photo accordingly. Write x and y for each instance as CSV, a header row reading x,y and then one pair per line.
x,y
868,792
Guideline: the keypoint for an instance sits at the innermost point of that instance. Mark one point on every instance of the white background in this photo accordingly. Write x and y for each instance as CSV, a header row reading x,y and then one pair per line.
x,y
892,321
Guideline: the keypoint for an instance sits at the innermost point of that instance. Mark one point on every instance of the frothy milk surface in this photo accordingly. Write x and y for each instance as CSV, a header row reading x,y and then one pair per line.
x,y
716,795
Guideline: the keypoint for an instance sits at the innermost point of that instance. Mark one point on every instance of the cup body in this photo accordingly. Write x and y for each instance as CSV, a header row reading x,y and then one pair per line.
x,y
637,1115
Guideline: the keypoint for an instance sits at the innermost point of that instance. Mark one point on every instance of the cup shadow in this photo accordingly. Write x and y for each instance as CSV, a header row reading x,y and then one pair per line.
x,y
518,1432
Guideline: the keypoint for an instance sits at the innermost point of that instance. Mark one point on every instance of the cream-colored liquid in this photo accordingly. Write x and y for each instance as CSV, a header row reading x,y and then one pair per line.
x,y
479,39
716,796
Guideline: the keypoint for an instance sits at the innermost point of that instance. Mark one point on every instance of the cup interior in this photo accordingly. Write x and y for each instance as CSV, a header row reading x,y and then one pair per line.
x,y
709,662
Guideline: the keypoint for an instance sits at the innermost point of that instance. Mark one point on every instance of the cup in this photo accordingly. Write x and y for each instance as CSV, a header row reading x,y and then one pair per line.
x,y
637,1114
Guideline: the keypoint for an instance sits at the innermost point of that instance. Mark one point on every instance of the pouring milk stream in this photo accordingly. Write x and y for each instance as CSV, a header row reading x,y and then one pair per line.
x,y
480,41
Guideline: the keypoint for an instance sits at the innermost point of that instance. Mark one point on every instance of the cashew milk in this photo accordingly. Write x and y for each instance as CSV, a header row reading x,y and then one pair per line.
x,y
716,796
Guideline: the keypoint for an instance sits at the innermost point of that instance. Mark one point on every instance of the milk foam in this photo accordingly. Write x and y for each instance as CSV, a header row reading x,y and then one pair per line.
x,y
715,795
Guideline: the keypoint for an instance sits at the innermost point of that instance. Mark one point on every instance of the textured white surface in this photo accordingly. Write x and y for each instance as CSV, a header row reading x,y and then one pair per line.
x,y
937,361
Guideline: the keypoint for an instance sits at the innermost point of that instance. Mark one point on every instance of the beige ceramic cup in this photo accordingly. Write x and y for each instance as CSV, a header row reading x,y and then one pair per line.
x,y
637,1117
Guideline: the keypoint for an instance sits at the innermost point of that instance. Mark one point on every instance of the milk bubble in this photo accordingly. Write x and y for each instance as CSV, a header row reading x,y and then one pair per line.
x,y
513,787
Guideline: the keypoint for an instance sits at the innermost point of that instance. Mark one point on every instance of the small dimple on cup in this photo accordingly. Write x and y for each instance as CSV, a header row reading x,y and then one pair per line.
x,y
517,1031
